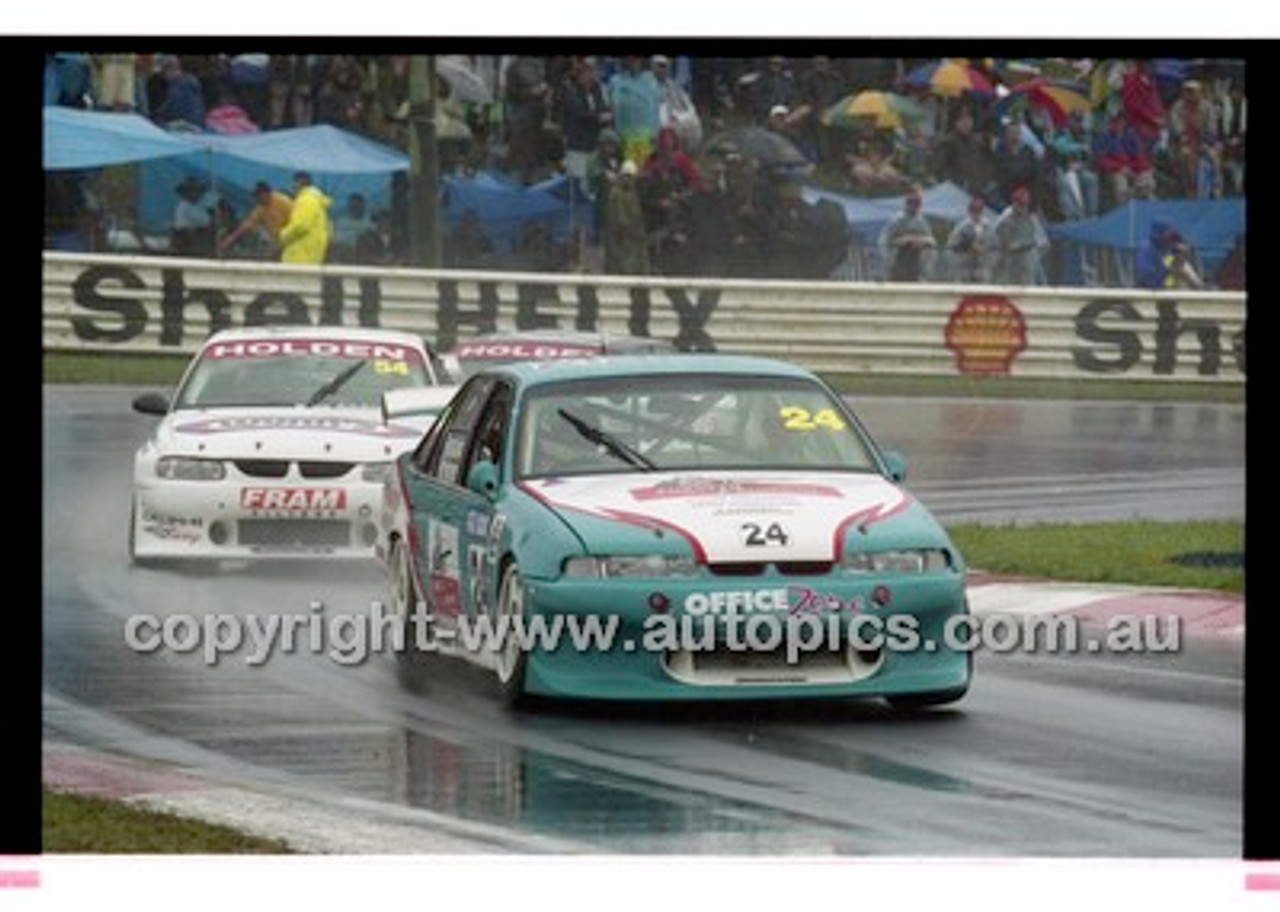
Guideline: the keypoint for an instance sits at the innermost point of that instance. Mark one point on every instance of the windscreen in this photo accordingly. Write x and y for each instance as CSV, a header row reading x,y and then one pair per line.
x,y
659,423
300,372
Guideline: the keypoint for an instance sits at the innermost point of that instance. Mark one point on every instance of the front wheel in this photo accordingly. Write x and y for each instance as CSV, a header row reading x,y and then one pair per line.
x,y
402,599
510,659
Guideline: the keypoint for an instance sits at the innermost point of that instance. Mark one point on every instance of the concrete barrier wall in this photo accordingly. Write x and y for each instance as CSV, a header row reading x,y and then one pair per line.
x,y
162,304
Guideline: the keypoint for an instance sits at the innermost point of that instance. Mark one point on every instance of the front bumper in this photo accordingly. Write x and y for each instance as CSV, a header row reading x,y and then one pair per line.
x,y
251,519
868,637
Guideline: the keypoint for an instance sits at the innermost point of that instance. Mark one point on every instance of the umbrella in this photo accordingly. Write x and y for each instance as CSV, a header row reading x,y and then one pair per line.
x,y
1023,68
769,148
465,84
888,109
949,77
1057,96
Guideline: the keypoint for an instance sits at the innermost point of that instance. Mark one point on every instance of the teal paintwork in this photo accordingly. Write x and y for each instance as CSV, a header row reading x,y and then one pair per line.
x,y
467,531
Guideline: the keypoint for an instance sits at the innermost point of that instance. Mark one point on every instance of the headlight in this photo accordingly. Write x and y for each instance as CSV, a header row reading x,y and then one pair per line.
x,y
644,565
925,560
182,468
375,472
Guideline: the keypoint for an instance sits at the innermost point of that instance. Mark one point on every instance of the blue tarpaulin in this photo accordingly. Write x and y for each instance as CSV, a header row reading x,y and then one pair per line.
x,y
321,149
340,162
80,140
504,206
1210,226
867,216
1205,223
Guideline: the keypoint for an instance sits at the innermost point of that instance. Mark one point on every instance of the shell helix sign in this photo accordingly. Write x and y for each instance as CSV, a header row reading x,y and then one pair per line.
x,y
164,305
986,333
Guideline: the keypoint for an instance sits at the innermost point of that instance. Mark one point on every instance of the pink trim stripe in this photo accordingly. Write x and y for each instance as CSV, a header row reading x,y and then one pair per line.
x,y
19,879
641,520
653,522
865,517
1262,880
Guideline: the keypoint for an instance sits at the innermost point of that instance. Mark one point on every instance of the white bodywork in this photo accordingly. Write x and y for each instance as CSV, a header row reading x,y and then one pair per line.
x,y
726,516
419,405
295,480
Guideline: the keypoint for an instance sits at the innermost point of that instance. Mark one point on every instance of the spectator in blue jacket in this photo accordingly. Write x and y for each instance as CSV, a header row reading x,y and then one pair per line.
x,y
636,101
1166,262
182,107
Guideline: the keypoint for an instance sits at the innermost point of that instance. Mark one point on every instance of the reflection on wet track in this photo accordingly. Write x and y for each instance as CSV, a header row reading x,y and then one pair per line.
x,y
1058,756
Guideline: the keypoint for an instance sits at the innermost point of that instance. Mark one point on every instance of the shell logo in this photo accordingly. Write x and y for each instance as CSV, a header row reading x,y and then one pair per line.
x,y
986,332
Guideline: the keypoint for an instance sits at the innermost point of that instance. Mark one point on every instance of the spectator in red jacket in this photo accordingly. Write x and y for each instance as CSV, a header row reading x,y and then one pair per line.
x,y
669,161
667,184
1143,105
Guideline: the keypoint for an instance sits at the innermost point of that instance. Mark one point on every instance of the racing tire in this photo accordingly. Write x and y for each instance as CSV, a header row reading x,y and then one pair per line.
x,y
510,661
403,599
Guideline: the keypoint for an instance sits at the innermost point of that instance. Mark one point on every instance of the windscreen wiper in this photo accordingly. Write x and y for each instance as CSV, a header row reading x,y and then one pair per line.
x,y
610,443
334,385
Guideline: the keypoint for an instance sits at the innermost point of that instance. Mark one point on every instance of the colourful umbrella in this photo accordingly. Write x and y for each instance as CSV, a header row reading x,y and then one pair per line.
x,y
1057,96
887,110
949,77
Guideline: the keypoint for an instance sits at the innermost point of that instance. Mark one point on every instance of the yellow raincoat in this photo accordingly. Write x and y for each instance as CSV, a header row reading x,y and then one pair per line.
x,y
305,237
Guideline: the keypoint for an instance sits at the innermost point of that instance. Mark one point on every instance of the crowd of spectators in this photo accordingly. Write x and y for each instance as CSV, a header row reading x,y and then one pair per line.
x,y
630,133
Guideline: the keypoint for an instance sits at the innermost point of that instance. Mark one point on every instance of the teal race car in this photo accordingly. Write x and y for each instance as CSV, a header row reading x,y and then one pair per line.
x,y
654,527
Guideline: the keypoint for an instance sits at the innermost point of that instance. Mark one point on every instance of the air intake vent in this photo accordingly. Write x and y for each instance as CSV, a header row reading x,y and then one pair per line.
x,y
294,533
737,568
263,468
804,568
325,469
785,568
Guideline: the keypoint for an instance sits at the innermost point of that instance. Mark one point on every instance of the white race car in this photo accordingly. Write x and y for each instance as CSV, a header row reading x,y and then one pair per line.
x,y
276,444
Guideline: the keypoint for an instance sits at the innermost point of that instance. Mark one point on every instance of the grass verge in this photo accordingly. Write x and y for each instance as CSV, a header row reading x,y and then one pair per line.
x,y
87,824
1192,555
125,370
165,370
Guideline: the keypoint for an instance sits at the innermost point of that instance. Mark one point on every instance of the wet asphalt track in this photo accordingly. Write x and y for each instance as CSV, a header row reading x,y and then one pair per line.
x,y
1047,756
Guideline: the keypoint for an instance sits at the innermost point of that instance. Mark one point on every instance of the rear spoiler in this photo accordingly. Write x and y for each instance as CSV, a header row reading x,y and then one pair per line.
x,y
415,400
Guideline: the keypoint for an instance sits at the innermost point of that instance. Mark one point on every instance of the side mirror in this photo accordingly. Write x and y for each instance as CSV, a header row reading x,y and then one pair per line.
x,y
151,404
483,479
896,464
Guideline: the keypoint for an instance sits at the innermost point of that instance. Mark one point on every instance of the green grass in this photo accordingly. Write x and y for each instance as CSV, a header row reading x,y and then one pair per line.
x,y
125,370
1139,553
164,371
85,824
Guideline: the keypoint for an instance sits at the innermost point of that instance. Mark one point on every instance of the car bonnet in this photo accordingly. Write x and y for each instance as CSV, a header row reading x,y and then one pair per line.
x,y
264,433
729,516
